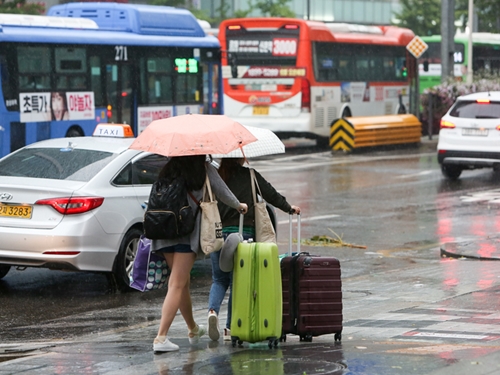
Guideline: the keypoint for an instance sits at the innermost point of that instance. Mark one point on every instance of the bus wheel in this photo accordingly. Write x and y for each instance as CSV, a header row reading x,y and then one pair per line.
x,y
323,142
74,131
346,113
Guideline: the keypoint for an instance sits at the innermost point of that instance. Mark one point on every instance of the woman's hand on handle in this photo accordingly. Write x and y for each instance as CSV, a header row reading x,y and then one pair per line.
x,y
243,208
295,210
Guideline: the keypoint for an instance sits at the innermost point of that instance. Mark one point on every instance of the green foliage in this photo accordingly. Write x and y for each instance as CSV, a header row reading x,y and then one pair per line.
x,y
170,3
274,8
21,7
488,12
445,94
242,13
423,17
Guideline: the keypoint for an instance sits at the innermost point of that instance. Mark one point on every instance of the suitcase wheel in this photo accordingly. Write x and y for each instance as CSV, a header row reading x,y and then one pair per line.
x,y
273,343
307,338
235,340
283,338
338,336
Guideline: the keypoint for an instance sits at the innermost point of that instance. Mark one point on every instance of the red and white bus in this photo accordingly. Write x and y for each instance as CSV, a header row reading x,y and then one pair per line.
x,y
295,77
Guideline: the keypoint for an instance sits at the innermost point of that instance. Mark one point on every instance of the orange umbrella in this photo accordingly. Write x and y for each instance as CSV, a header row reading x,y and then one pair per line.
x,y
193,135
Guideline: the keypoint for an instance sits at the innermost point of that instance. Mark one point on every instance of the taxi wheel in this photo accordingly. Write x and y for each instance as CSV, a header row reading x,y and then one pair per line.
x,y
4,270
125,258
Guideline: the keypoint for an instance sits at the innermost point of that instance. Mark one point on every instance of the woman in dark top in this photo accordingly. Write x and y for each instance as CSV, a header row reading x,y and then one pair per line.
x,y
238,180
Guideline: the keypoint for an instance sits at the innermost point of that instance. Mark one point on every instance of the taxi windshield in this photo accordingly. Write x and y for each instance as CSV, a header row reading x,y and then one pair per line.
x,y
55,163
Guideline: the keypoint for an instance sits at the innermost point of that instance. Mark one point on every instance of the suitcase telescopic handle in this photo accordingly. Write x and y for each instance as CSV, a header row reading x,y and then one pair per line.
x,y
291,234
240,227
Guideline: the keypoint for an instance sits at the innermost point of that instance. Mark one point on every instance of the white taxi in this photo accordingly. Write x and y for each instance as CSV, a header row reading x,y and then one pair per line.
x,y
75,203
469,135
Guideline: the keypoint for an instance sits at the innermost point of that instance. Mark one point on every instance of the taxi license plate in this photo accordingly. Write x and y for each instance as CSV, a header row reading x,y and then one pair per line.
x,y
260,110
21,212
475,132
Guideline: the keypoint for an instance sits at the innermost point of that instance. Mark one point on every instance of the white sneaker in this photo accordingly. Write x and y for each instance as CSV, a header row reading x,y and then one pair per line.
x,y
165,346
195,334
227,334
213,326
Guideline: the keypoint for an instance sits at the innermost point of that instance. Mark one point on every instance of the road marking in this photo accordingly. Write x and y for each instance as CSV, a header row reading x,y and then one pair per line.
x,y
312,218
422,173
300,161
452,335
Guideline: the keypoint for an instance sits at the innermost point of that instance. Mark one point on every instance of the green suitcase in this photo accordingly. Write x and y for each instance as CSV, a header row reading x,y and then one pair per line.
x,y
257,307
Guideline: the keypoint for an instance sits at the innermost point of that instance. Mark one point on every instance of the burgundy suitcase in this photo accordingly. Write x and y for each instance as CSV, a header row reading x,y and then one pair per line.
x,y
312,294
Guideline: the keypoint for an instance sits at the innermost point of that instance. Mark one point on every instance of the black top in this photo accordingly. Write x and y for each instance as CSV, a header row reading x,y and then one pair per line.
x,y
240,184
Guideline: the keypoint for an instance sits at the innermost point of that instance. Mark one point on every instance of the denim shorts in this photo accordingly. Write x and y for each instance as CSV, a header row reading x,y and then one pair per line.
x,y
179,248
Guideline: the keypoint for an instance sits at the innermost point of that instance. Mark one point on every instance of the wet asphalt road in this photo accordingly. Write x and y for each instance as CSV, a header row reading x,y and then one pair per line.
x,y
406,309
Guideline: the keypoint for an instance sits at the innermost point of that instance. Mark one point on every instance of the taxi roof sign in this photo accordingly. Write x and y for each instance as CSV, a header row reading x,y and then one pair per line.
x,y
113,130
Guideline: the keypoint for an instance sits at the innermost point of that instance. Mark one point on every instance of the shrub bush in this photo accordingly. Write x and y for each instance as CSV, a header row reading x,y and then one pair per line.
x,y
445,94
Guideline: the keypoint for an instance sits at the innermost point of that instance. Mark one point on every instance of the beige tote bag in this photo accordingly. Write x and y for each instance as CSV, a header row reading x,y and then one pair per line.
x,y
264,230
211,225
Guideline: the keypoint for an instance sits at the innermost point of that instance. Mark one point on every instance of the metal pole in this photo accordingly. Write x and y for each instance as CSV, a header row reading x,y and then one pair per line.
x,y
470,23
445,38
430,119
308,10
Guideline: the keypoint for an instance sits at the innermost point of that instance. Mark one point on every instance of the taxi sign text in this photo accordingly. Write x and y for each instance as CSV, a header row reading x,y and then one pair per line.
x,y
113,130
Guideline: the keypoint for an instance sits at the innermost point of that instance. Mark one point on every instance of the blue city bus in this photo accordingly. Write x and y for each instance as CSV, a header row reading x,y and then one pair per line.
x,y
90,63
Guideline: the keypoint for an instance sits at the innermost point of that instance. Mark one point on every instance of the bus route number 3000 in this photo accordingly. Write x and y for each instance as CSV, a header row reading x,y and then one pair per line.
x,y
284,47
23,212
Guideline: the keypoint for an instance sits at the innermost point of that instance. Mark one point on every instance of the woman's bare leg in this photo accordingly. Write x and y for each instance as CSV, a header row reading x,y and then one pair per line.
x,y
178,296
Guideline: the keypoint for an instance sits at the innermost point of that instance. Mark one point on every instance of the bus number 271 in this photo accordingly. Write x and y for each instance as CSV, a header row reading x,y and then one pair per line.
x,y
121,53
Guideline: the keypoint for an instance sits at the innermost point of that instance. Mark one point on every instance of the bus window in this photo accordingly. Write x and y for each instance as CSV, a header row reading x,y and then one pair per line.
x,y
156,76
34,67
8,91
188,89
363,68
71,68
96,79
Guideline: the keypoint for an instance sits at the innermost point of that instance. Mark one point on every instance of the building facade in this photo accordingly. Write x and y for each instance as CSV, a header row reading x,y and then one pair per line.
x,y
377,12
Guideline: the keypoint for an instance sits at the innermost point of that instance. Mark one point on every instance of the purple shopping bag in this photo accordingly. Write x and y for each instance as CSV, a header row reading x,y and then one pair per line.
x,y
149,270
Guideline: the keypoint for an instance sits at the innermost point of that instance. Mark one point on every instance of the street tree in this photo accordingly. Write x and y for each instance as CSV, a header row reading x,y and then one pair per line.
x,y
488,15
170,3
423,17
274,8
21,7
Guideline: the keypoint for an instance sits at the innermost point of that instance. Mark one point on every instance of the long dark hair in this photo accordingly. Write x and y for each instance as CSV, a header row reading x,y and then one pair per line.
x,y
191,168
227,167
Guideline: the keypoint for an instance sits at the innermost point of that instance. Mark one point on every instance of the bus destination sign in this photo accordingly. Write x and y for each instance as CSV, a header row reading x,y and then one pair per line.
x,y
275,47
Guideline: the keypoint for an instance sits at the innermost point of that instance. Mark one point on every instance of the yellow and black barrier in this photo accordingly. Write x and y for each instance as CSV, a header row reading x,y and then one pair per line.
x,y
349,133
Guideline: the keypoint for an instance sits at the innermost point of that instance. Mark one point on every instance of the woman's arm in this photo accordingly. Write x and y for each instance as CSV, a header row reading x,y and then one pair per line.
x,y
270,194
222,192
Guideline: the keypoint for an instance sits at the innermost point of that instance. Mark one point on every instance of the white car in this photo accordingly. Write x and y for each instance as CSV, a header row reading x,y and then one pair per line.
x,y
469,135
75,203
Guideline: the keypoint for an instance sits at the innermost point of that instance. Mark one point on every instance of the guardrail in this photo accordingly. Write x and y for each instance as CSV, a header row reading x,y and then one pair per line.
x,y
351,133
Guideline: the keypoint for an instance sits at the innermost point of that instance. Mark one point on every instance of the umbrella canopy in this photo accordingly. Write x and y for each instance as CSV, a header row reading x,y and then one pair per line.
x,y
193,135
267,143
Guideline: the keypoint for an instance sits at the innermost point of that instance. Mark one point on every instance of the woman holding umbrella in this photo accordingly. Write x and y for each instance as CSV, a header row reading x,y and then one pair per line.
x,y
187,139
